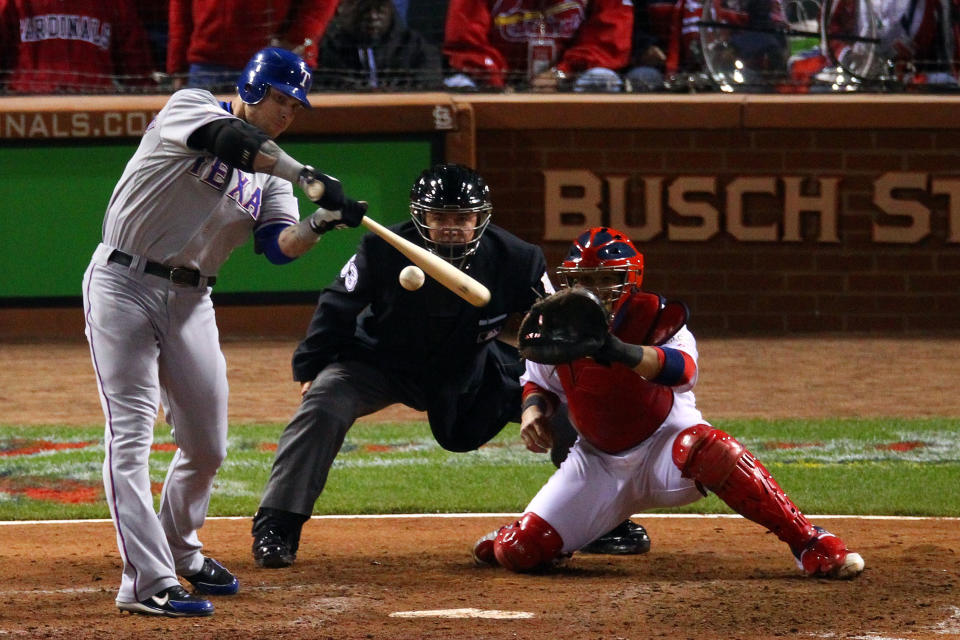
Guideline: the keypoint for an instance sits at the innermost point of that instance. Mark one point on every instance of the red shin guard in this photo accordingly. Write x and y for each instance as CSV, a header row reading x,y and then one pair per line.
x,y
722,465
527,544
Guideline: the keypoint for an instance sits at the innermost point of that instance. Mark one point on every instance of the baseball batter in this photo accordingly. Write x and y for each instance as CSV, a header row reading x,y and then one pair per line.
x,y
205,176
642,441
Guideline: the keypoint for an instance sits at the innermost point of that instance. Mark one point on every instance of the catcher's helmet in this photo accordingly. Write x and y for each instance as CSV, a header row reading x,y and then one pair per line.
x,y
604,260
278,68
451,188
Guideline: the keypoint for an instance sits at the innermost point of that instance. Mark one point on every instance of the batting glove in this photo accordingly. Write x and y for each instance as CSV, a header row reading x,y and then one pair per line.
x,y
331,197
352,213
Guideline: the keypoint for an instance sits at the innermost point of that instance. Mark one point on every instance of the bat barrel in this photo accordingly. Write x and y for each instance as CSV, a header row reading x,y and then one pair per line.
x,y
434,266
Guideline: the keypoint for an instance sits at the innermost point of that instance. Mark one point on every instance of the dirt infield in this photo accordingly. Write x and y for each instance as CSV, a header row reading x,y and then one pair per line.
x,y
703,579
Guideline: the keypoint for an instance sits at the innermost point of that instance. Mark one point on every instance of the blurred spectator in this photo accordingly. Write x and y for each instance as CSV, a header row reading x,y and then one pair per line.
x,y
750,53
544,45
82,46
648,46
426,17
208,37
153,16
401,7
918,47
368,47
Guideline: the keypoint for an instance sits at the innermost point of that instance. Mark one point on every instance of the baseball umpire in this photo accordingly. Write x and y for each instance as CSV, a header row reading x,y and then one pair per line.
x,y
372,343
206,175
643,443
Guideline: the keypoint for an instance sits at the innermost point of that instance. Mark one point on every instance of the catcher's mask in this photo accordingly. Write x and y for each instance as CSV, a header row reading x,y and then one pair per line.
x,y
453,202
605,261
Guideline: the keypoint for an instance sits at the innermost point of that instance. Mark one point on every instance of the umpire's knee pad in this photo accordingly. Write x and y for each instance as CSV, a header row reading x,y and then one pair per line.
x,y
706,454
529,543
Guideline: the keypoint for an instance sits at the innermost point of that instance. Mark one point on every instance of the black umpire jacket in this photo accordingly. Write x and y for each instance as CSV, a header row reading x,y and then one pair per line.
x,y
468,380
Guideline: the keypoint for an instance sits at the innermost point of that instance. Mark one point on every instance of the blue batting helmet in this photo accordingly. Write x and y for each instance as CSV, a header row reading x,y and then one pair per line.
x,y
278,68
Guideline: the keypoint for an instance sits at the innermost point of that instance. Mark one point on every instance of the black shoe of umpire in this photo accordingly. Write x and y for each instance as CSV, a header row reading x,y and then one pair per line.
x,y
276,536
627,538
271,550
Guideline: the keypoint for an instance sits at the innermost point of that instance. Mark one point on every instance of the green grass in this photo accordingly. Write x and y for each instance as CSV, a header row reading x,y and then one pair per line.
x,y
850,466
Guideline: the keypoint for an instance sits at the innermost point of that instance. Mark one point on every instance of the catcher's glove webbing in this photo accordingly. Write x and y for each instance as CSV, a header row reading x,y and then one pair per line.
x,y
563,327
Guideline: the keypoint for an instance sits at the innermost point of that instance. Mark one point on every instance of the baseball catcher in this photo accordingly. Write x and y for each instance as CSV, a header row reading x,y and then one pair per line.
x,y
622,362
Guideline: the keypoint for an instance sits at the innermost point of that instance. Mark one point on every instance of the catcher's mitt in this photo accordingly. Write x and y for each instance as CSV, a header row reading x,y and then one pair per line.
x,y
564,327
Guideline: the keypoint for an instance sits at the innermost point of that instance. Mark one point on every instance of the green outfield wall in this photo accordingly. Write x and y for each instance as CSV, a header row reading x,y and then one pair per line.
x,y
57,194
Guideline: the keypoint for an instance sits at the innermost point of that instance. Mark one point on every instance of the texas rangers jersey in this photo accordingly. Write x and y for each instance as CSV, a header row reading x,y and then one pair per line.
x,y
612,407
182,207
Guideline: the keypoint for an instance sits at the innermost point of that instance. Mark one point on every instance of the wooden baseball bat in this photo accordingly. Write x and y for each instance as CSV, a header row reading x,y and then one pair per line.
x,y
434,266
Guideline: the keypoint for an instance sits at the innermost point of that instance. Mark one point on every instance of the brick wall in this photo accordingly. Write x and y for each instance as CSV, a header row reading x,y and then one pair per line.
x,y
855,283
732,286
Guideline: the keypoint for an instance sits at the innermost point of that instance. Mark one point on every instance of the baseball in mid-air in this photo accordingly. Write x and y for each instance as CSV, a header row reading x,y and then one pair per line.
x,y
411,277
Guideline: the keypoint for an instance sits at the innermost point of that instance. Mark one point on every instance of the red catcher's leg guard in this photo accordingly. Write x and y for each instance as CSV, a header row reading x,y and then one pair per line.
x,y
722,465
529,543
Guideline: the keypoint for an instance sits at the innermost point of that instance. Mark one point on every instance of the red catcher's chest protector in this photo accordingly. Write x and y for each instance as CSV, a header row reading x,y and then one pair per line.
x,y
612,407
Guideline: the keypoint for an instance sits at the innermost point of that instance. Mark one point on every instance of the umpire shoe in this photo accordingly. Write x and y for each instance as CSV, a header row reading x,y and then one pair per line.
x,y
271,548
213,579
826,556
627,538
173,602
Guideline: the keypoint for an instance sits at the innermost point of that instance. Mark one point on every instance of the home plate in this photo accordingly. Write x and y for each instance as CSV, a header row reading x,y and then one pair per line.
x,y
463,613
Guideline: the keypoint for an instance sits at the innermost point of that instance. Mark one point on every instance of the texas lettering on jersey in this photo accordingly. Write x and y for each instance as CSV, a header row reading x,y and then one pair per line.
x,y
216,174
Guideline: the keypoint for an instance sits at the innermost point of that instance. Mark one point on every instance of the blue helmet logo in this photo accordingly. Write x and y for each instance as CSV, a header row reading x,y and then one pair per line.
x,y
278,68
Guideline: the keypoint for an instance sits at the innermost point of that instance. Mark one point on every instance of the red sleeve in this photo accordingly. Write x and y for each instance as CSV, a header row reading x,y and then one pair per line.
x,y
467,41
308,21
677,368
603,40
530,388
180,28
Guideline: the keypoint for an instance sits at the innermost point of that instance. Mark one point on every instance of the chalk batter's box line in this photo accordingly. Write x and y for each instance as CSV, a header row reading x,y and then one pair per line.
x,y
411,516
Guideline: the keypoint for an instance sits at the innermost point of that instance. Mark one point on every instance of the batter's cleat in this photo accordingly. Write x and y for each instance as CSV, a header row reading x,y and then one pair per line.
x,y
826,556
173,602
271,548
627,538
213,579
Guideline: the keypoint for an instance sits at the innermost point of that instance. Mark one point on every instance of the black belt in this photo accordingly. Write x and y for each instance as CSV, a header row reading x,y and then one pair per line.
x,y
176,275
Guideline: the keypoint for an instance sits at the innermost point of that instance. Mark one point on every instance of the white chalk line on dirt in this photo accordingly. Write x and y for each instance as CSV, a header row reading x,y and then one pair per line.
x,y
389,516
495,614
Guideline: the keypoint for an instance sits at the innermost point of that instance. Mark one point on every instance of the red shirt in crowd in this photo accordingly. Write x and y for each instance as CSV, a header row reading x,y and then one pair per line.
x,y
489,38
229,32
81,46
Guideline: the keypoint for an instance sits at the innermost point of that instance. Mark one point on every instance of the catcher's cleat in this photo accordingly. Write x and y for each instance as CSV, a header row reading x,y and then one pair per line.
x,y
271,548
483,550
213,579
627,538
826,556
173,602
